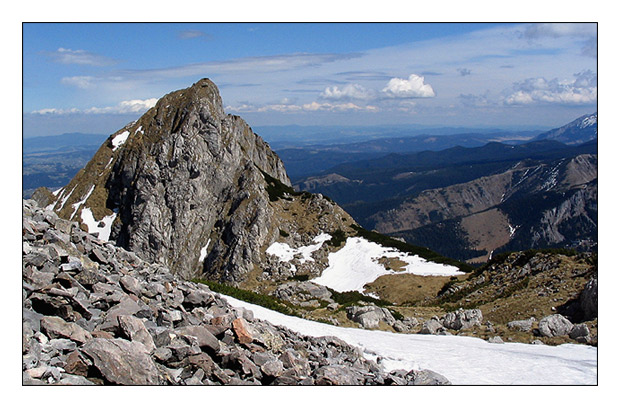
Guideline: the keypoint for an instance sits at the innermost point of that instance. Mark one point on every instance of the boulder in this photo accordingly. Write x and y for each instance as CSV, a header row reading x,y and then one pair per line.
x,y
122,362
522,325
337,375
554,325
135,330
462,319
242,330
589,300
581,333
432,326
370,316
203,336
56,327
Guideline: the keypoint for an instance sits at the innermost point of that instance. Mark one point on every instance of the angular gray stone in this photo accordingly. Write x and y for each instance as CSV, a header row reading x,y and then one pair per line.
x,y
337,375
462,319
122,362
522,325
554,325
370,316
203,336
429,377
581,333
135,330
131,285
56,327
432,326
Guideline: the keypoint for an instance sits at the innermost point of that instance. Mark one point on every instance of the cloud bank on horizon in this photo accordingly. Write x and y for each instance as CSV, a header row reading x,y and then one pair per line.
x,y
478,74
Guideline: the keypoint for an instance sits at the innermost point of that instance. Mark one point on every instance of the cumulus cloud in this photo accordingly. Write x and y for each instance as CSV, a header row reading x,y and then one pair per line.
x,y
350,91
79,57
413,87
581,90
124,107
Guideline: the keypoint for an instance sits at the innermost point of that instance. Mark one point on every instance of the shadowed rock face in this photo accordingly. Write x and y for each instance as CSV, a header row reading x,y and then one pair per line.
x,y
194,177
186,186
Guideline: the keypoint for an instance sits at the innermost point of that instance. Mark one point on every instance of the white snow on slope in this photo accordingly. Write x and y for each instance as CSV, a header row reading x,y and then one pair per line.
x,y
203,251
65,197
286,253
356,264
93,225
77,205
463,360
119,140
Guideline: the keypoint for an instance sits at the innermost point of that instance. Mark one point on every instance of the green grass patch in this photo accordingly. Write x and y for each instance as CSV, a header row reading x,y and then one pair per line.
x,y
300,278
351,297
338,237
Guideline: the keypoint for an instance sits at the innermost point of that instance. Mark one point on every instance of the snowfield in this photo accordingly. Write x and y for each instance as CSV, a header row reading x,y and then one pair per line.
x,y
286,253
356,264
119,140
463,360
103,227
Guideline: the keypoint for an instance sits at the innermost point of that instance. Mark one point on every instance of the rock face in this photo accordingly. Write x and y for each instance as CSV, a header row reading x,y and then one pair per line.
x,y
193,188
94,313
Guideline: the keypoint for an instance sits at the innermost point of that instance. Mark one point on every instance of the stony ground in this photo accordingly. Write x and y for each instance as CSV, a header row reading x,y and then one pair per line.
x,y
97,314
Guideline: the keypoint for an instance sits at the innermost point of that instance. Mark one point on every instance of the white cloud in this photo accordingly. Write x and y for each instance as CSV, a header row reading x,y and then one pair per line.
x,y
557,30
307,107
124,107
55,111
337,107
189,34
580,91
79,57
349,91
413,87
82,82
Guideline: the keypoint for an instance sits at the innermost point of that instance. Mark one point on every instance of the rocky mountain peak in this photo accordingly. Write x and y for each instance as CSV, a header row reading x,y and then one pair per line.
x,y
195,189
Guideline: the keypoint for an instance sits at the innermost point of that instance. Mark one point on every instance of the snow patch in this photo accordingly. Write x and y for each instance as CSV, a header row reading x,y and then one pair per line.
x,y
463,360
589,121
203,251
65,198
512,229
286,254
77,205
103,227
119,140
357,264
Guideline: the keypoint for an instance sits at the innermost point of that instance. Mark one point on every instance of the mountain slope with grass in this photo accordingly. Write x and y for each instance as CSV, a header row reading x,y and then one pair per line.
x,y
194,188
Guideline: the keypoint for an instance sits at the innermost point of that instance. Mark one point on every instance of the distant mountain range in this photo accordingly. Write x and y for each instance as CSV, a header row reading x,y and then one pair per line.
x,y
468,202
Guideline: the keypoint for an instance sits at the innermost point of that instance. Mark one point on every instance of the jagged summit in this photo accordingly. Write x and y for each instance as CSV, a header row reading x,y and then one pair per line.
x,y
194,188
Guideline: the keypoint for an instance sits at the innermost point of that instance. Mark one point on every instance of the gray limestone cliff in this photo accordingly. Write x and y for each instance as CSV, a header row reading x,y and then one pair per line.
x,y
194,188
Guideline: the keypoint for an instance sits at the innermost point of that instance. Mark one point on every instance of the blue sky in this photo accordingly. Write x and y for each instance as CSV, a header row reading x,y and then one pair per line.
x,y
94,78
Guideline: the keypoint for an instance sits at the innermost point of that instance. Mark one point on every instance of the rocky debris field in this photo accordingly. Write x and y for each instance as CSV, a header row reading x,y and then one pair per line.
x,y
94,313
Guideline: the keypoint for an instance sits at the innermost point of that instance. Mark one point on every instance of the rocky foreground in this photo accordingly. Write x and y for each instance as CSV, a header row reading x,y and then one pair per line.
x,y
94,313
